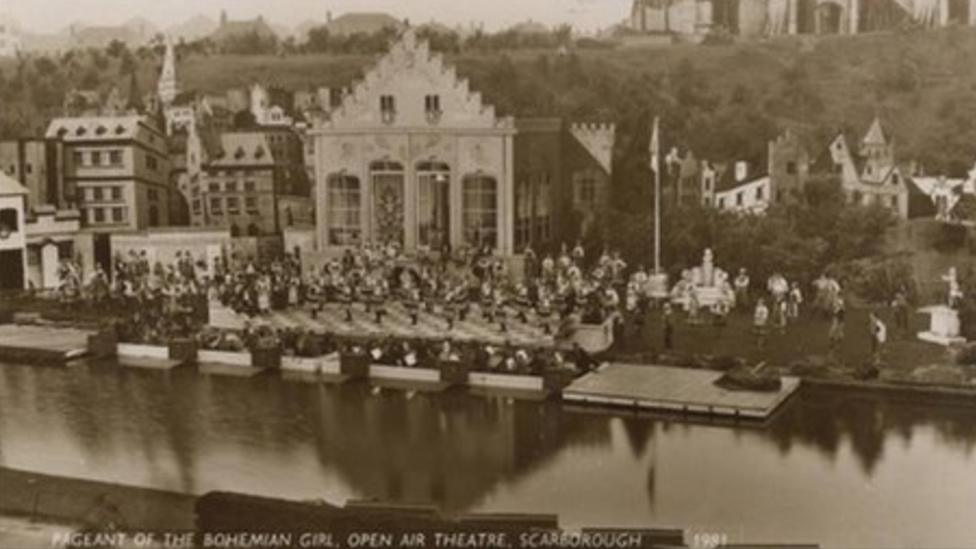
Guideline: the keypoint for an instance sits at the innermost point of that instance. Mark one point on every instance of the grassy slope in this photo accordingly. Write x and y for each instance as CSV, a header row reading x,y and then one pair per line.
x,y
855,77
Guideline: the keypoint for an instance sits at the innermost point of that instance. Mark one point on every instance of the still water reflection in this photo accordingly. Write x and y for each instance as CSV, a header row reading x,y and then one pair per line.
x,y
840,470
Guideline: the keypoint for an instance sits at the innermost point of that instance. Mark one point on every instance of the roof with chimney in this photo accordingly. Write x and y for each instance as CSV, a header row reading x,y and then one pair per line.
x,y
362,22
97,128
726,180
230,29
241,149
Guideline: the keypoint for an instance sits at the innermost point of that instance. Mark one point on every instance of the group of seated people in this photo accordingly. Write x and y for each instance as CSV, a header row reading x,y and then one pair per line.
x,y
401,352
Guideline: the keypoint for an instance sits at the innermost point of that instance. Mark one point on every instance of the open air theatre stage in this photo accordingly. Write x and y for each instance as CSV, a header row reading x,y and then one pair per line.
x,y
636,387
397,323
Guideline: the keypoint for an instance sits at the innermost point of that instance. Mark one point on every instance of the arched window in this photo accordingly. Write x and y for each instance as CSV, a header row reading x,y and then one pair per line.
x,y
387,209
344,210
480,210
434,203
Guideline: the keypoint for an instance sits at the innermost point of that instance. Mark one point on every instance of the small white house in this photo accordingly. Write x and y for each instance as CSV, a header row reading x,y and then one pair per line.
x,y
13,235
746,195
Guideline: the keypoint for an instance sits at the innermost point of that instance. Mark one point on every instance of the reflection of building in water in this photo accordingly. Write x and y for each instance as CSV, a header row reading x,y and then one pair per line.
x,y
448,451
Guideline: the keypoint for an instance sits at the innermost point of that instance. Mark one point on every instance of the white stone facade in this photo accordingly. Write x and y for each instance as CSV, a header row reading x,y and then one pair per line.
x,y
413,156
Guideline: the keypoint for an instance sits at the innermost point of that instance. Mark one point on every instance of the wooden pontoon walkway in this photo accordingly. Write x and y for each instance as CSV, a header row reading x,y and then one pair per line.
x,y
673,389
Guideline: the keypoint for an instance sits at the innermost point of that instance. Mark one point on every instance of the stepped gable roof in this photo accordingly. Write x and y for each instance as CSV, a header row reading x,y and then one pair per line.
x,y
239,149
411,58
10,186
362,22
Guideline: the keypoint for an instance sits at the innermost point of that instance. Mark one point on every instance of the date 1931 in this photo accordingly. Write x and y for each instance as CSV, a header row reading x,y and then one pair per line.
x,y
706,540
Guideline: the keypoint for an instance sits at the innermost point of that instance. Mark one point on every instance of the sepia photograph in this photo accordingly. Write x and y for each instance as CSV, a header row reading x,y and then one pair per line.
x,y
507,274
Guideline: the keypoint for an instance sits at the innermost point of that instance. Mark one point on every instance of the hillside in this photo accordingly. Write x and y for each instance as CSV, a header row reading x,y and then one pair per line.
x,y
722,101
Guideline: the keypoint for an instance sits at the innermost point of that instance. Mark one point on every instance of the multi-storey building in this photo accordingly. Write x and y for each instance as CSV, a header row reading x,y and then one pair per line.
x,y
413,156
253,183
870,174
13,234
36,164
788,166
116,169
777,17
743,192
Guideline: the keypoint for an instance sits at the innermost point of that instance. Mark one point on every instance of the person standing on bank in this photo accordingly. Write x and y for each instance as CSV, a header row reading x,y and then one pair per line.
x,y
902,311
836,334
760,318
742,289
879,335
668,319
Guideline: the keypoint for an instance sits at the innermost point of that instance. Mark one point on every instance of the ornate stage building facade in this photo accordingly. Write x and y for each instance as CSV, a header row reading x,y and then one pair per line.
x,y
413,156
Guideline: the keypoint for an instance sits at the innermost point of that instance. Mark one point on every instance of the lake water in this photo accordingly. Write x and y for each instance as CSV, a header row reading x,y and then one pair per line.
x,y
835,469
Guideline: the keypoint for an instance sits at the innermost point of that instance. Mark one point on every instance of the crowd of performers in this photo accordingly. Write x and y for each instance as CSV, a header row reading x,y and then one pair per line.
x,y
555,292
161,302
451,288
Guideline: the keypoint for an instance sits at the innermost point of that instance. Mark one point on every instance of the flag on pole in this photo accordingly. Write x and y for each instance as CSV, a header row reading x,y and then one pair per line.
x,y
655,146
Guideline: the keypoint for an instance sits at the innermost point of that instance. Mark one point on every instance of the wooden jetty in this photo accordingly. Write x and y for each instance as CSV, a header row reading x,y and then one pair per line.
x,y
670,389
45,344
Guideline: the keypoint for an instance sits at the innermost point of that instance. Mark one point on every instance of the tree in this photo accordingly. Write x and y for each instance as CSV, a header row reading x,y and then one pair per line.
x,y
90,80
45,66
116,48
135,95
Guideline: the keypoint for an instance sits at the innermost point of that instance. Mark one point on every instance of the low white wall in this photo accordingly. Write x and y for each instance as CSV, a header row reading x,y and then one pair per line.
x,y
133,350
399,373
228,358
506,381
328,364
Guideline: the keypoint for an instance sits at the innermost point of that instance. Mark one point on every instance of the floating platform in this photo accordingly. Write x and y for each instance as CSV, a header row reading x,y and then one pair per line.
x,y
41,344
670,389
147,357
323,369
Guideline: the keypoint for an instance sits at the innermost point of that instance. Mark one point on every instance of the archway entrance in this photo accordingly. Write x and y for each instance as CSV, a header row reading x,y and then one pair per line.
x,y
434,204
829,18
388,199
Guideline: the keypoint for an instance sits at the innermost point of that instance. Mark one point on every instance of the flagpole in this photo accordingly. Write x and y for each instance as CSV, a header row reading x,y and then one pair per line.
x,y
657,219
656,163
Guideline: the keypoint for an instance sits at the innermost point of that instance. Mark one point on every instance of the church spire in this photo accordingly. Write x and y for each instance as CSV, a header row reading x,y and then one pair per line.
x,y
167,87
